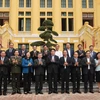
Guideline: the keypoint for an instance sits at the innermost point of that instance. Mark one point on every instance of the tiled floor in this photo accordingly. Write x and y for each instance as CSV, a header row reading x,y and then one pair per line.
x,y
46,96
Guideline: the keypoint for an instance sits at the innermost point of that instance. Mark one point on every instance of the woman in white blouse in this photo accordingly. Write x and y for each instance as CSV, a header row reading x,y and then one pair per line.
x,y
97,61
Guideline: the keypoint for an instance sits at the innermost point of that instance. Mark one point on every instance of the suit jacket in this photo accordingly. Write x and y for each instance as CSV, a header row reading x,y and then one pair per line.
x,y
71,52
94,55
4,67
53,66
62,61
39,69
45,56
20,53
8,54
85,66
25,67
34,55
16,68
75,68
79,53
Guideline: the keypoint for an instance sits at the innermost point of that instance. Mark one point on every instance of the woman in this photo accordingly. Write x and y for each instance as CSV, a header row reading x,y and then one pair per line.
x,y
27,64
97,61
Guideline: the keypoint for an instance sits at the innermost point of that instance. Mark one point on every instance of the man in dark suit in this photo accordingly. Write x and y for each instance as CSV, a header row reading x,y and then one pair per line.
x,y
39,65
93,55
81,55
88,65
76,64
80,51
65,63
9,53
4,62
34,54
23,51
45,53
70,51
53,64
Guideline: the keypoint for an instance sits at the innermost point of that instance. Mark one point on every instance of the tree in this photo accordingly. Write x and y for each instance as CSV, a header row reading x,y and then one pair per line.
x,y
47,35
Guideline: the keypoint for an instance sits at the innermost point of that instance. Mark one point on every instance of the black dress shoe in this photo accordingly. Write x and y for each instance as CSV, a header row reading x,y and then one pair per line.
x,y
29,92
56,92
74,91
0,93
67,92
49,92
91,91
36,92
79,91
19,92
40,92
13,92
85,91
62,91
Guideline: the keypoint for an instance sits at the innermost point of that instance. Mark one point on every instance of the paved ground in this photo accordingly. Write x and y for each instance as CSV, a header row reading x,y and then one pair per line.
x,y
46,96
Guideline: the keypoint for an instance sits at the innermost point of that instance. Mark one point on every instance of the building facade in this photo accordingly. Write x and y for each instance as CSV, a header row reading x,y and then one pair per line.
x,y
76,21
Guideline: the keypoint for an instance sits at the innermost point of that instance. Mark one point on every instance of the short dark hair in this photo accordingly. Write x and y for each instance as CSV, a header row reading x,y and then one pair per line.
x,y
79,45
68,43
91,46
87,51
52,49
3,51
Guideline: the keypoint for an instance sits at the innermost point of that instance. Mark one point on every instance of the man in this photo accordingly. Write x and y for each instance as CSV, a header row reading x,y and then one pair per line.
x,y
59,54
9,53
76,64
80,51
16,71
23,51
34,53
81,55
70,52
45,53
4,64
92,52
39,65
65,63
53,64
88,65
93,55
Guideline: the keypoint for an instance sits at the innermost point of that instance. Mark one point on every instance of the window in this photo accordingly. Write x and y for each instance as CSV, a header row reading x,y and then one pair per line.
x,y
28,13
42,3
63,13
63,3
1,3
70,3
49,3
90,3
49,13
63,24
21,3
42,13
7,3
28,24
84,4
21,14
21,24
89,17
41,21
87,3
70,24
28,3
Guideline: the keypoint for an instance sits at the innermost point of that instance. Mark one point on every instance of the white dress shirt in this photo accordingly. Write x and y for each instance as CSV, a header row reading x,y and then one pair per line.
x,y
59,53
88,60
69,52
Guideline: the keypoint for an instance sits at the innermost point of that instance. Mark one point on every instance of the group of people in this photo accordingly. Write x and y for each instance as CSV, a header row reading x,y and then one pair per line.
x,y
17,66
